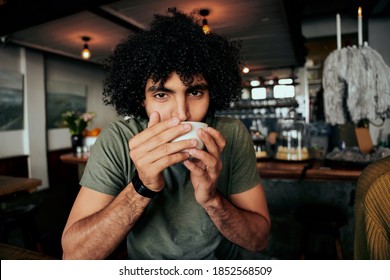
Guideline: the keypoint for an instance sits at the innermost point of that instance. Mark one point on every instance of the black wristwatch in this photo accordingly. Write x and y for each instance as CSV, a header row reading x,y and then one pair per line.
x,y
141,189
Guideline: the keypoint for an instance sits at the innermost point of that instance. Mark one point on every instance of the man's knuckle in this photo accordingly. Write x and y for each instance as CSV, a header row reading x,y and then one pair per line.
x,y
164,149
158,139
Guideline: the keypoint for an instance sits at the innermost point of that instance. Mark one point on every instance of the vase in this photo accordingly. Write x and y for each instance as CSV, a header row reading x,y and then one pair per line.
x,y
77,143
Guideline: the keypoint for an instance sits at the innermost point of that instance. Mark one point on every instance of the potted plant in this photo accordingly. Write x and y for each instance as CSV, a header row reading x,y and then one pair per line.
x,y
77,122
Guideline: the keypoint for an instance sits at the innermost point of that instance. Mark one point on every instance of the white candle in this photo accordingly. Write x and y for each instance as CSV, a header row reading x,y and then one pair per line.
x,y
338,29
360,27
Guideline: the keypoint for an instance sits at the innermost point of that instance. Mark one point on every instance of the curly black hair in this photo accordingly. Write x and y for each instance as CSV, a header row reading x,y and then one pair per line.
x,y
173,43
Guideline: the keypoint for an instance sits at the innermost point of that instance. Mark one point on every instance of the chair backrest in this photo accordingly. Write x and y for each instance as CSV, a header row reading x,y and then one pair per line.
x,y
372,212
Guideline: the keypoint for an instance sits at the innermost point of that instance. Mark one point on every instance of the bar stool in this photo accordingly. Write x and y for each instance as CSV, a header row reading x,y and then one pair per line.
x,y
22,218
322,219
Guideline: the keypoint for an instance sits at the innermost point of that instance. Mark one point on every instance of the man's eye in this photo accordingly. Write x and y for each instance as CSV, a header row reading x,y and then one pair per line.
x,y
195,93
160,95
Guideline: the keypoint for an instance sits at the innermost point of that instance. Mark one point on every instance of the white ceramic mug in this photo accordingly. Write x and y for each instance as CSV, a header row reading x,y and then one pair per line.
x,y
192,134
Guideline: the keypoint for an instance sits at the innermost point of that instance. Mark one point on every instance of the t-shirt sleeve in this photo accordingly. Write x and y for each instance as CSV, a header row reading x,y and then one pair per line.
x,y
245,173
109,164
241,171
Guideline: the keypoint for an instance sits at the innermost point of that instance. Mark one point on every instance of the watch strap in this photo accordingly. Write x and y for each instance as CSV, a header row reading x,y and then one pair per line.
x,y
141,189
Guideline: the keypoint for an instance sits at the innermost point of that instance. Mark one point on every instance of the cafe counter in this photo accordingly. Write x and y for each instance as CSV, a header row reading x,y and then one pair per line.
x,y
275,169
307,170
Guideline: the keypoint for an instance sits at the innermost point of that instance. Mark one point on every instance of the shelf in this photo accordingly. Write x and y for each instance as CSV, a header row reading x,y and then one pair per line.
x,y
250,108
266,103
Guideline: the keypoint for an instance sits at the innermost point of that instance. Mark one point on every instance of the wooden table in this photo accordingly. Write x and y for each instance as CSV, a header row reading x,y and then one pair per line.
x,y
74,159
79,159
9,184
8,252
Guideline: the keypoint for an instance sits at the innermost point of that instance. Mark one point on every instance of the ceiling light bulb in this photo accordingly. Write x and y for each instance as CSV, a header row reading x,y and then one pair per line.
x,y
86,54
205,27
245,70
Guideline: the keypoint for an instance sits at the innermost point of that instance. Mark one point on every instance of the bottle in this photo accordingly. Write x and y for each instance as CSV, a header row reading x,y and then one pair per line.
x,y
293,139
259,140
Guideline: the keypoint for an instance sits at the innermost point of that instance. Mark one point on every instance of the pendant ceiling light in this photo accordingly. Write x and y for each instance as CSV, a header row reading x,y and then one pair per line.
x,y
204,13
86,53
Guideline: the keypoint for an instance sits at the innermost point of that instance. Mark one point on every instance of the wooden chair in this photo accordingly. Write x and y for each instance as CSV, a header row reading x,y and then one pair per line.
x,y
22,218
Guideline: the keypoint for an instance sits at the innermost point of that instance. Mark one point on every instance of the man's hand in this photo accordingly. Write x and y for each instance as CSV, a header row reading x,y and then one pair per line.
x,y
206,166
152,150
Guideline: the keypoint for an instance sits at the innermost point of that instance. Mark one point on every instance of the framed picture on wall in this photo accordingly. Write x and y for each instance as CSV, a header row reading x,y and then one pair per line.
x,y
62,97
11,100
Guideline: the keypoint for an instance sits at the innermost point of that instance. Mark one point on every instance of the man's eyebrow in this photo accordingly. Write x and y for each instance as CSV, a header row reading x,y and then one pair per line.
x,y
159,87
154,88
200,86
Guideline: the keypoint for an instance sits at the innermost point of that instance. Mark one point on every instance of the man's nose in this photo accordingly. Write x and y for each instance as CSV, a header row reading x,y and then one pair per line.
x,y
181,111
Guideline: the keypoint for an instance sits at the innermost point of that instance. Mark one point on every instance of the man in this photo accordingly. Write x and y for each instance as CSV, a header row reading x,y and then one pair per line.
x,y
170,200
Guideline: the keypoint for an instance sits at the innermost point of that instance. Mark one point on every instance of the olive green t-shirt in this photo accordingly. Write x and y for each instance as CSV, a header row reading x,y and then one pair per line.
x,y
174,225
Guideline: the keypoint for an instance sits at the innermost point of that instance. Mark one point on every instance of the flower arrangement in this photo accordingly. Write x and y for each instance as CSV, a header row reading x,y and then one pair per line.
x,y
77,122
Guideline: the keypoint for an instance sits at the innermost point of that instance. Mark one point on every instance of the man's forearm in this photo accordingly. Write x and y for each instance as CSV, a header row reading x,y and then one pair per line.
x,y
247,229
96,236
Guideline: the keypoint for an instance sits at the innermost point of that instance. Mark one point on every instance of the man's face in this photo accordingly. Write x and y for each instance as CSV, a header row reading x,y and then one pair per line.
x,y
174,99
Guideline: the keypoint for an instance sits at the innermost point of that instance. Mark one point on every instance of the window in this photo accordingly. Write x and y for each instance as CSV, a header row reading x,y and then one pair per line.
x,y
284,91
259,93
